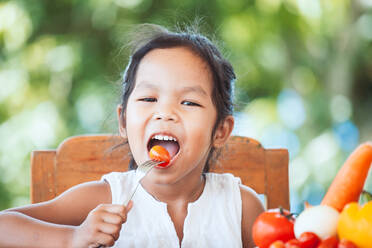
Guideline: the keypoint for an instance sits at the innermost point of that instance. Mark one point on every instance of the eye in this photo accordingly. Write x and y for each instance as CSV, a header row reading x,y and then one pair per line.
x,y
189,103
147,99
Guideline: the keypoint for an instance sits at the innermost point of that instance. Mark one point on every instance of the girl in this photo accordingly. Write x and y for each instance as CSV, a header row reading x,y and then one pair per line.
x,y
178,94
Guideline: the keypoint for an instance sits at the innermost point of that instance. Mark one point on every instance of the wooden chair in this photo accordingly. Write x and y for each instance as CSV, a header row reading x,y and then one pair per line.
x,y
86,158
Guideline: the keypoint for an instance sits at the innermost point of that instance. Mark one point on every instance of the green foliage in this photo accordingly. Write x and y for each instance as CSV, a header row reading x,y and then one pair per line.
x,y
304,69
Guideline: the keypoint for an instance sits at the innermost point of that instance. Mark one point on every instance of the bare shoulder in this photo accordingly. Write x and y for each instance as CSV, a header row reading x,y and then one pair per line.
x,y
72,206
251,208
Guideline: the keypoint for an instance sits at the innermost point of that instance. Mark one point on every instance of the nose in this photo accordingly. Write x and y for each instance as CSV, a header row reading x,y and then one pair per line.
x,y
165,116
165,113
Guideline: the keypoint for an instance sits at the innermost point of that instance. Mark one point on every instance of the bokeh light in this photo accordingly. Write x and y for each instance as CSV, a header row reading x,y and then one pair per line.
x,y
291,109
303,77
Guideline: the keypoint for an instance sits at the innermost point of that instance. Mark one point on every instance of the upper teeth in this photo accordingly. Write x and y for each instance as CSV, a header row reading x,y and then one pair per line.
x,y
164,137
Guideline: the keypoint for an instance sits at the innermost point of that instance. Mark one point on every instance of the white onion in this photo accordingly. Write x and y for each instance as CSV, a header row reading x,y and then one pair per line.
x,y
321,220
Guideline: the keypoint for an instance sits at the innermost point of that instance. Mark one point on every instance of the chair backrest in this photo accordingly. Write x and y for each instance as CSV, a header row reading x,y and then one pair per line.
x,y
86,158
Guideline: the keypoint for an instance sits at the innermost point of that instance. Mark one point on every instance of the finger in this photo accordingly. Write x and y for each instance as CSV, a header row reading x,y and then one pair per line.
x,y
129,206
113,208
120,209
104,239
113,230
112,218
116,209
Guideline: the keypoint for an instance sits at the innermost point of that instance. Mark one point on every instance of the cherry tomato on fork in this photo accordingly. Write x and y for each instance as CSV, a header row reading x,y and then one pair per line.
x,y
159,153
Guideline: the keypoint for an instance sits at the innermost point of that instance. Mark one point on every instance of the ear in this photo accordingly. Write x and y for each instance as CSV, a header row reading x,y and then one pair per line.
x,y
223,132
121,122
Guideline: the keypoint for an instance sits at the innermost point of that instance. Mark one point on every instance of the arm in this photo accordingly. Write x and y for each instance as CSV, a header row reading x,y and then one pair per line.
x,y
19,230
72,206
251,208
56,221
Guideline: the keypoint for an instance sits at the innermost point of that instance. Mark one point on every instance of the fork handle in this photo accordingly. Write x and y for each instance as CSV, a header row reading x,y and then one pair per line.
x,y
135,190
131,196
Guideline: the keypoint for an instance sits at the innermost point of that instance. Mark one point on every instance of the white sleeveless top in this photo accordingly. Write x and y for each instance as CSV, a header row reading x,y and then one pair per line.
x,y
213,220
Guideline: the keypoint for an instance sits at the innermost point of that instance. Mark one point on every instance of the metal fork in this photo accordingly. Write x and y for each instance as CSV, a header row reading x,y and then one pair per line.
x,y
141,172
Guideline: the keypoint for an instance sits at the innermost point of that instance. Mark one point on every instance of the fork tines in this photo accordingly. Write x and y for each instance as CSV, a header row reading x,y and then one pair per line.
x,y
147,166
152,162
141,172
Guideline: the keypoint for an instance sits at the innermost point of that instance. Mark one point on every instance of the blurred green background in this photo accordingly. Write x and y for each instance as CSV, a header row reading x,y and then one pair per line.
x,y
304,77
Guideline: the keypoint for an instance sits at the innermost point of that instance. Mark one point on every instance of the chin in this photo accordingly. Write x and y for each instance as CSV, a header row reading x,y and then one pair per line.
x,y
162,178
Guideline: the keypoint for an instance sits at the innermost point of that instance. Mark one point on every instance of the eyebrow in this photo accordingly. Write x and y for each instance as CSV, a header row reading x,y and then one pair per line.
x,y
197,89
145,84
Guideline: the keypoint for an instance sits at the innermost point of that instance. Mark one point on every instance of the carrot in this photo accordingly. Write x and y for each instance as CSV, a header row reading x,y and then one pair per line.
x,y
349,181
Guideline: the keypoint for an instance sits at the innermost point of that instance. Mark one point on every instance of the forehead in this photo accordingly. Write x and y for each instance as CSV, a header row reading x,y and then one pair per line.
x,y
179,66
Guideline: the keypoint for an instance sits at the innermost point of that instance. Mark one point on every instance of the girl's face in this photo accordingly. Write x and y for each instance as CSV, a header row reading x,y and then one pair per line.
x,y
171,105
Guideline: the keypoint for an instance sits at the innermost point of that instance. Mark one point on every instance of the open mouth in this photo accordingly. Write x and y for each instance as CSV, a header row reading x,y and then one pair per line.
x,y
169,142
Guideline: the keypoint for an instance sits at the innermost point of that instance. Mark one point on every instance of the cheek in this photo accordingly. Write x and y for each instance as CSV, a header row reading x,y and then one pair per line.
x,y
200,127
133,118
134,127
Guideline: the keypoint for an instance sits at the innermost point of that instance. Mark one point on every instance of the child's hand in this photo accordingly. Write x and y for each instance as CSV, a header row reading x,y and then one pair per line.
x,y
102,226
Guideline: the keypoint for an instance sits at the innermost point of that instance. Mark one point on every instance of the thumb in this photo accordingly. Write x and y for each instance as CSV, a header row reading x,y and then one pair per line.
x,y
129,206
125,210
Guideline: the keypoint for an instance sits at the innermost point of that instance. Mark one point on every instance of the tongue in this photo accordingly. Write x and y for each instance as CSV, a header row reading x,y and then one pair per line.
x,y
172,147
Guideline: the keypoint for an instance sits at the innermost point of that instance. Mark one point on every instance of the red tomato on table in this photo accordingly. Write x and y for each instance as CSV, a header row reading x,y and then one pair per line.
x,y
277,244
159,153
346,244
293,243
309,240
273,225
331,242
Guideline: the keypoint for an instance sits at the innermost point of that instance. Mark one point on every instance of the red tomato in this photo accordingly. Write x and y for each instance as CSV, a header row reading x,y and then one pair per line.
x,y
159,153
277,244
346,244
309,240
272,225
293,243
330,242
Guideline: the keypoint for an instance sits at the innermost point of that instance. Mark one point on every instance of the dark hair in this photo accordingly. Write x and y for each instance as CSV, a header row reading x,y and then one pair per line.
x,y
150,37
